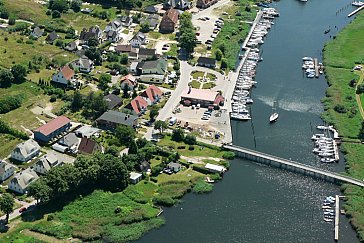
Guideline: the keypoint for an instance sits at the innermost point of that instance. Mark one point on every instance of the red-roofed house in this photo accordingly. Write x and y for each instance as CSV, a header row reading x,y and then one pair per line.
x,y
138,105
128,80
88,146
169,21
52,129
152,94
64,76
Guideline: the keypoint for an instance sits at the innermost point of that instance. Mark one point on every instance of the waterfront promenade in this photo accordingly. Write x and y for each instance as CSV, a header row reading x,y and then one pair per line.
x,y
292,165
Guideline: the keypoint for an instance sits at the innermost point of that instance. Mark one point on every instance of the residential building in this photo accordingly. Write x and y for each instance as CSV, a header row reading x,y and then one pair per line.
x,y
87,131
114,25
152,20
125,48
169,21
151,10
133,68
94,32
22,180
152,94
206,62
152,67
6,170
112,119
138,40
52,129
25,151
112,101
178,4
145,53
128,80
175,167
64,76
113,36
69,141
89,146
72,46
84,64
204,97
205,3
37,32
135,177
145,166
126,21
137,106
46,163
52,37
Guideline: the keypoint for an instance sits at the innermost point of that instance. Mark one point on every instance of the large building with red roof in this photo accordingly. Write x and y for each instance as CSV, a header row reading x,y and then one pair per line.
x,y
52,129
152,94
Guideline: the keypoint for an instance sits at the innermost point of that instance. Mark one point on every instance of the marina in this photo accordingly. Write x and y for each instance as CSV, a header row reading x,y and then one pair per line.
x,y
325,146
313,68
241,98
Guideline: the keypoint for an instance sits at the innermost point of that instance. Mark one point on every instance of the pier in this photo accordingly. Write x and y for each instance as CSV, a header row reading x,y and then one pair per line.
x,y
355,11
292,166
337,217
317,73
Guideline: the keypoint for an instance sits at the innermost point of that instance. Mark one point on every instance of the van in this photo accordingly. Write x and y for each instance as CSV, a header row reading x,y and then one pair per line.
x,y
172,121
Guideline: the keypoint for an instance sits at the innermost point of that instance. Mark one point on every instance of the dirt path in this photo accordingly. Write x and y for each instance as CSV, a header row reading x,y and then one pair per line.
x,y
357,96
198,160
43,237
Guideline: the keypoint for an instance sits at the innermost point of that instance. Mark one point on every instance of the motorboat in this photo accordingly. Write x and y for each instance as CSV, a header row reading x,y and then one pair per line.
x,y
273,117
307,59
326,207
357,3
325,218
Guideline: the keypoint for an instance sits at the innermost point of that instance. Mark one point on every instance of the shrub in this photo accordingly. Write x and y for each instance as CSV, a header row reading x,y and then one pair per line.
x,y
191,147
340,108
201,169
164,201
53,98
190,139
202,187
228,155
50,217
11,21
181,147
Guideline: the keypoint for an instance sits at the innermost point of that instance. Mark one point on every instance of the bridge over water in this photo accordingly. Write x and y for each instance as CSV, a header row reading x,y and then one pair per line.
x,y
292,165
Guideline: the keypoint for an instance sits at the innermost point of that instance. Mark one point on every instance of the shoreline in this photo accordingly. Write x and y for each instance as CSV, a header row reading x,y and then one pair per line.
x,y
338,74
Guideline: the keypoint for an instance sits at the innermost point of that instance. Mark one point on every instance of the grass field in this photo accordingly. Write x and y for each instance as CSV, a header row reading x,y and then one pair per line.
x,y
13,52
195,84
197,74
340,56
7,144
23,116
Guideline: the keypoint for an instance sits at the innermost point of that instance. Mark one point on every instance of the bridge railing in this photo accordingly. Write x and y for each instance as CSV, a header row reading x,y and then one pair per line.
x,y
294,163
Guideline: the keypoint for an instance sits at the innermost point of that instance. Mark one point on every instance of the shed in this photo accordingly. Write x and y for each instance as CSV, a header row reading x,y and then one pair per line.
x,y
215,168
175,167
135,177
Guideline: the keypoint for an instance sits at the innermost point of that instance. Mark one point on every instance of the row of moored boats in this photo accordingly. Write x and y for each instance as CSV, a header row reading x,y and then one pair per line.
x,y
328,208
309,67
245,81
325,147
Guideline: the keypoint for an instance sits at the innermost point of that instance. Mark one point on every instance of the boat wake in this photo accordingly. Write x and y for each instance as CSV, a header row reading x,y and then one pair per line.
x,y
292,104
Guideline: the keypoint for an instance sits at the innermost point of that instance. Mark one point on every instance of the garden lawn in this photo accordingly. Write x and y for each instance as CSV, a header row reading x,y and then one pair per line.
x,y
93,218
7,144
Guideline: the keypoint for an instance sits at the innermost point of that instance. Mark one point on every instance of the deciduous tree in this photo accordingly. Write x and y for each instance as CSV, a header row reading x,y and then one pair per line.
x,y
7,204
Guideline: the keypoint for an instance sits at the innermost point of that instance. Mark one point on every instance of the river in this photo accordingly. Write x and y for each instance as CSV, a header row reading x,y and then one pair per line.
x,y
257,203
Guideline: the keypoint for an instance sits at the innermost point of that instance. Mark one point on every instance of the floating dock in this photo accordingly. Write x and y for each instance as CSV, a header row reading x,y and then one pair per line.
x,y
317,73
355,11
337,217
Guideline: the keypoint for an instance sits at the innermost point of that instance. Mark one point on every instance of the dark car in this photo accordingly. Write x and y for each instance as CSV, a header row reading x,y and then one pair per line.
x,y
23,209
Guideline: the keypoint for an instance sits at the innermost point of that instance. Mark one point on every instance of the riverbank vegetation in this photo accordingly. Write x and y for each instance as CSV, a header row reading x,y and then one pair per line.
x,y
233,32
340,56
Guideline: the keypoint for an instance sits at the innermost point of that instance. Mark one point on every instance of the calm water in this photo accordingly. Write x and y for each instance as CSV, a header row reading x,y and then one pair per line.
x,y
256,203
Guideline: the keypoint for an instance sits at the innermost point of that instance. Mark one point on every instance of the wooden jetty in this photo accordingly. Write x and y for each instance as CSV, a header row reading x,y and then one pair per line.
x,y
317,67
337,217
355,11
292,166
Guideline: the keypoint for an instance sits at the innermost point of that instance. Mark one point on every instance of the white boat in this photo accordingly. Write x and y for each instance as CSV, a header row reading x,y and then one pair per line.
x,y
326,207
357,3
307,59
328,219
274,116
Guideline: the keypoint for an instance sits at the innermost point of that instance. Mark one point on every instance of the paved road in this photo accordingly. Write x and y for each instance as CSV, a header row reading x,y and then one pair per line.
x,y
175,98
16,213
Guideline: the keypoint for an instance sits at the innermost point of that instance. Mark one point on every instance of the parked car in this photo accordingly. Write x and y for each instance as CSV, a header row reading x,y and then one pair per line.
x,y
23,209
198,33
207,18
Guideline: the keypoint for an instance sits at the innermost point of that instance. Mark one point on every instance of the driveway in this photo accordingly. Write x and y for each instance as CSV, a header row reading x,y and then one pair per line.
x,y
160,43
16,213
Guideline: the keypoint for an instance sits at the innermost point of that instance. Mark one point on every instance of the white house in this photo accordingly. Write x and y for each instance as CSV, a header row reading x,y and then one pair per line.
x,y
45,163
22,180
6,170
64,76
84,64
115,25
113,36
138,40
25,151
